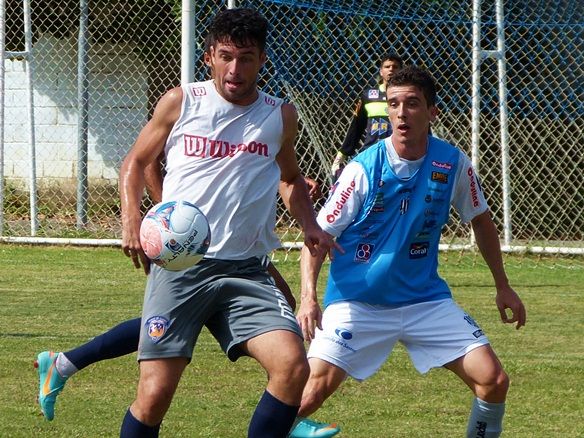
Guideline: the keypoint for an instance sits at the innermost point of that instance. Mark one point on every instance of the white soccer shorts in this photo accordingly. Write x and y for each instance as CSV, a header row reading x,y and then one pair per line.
x,y
359,337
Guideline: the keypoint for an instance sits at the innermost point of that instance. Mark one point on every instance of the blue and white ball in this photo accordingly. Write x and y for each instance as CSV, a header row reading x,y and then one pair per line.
x,y
175,235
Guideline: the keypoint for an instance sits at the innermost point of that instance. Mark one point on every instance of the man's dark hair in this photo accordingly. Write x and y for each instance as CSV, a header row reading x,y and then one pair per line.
x,y
207,44
241,27
418,77
391,57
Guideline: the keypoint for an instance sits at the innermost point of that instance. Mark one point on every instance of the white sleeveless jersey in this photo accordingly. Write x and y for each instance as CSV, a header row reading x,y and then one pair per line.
x,y
221,157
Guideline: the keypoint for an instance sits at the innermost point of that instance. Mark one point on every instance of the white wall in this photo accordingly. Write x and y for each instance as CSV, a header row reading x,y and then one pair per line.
x,y
117,110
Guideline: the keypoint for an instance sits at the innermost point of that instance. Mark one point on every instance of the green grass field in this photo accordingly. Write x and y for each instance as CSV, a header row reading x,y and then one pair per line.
x,y
57,297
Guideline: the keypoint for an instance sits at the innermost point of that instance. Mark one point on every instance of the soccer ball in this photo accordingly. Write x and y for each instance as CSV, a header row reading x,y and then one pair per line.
x,y
175,235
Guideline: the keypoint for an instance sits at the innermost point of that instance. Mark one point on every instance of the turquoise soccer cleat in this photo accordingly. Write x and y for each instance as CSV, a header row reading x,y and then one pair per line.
x,y
307,428
50,382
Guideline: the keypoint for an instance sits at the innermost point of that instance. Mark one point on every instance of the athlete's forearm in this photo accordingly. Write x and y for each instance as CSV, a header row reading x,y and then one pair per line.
x,y
153,180
310,267
487,240
131,186
296,198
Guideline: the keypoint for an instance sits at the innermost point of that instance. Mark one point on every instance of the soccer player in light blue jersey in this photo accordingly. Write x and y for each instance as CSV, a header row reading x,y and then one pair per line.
x,y
387,211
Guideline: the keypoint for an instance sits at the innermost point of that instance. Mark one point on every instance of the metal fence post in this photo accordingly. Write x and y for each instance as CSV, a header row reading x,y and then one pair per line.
x,y
476,88
82,107
503,114
31,135
187,41
2,91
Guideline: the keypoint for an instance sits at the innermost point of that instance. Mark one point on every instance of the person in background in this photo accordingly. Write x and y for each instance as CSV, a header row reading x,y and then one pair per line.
x,y
370,122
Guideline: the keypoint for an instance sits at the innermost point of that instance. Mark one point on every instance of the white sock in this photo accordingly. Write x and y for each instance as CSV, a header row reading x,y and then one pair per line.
x,y
64,366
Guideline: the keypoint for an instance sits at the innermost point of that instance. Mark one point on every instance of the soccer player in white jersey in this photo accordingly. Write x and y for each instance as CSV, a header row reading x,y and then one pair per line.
x,y
55,368
228,147
387,213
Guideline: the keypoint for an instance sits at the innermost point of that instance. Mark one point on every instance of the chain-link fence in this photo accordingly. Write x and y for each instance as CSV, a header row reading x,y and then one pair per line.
x,y
322,54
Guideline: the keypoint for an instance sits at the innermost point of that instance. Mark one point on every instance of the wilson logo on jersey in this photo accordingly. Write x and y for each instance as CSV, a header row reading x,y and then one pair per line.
x,y
202,147
199,91
270,101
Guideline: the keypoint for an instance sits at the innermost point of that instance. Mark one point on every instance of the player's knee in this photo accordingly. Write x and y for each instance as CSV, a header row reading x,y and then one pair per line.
x,y
152,402
291,376
502,382
494,387
298,372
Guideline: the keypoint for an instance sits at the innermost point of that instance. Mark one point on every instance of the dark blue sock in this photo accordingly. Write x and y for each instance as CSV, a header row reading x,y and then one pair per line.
x,y
272,418
132,428
118,341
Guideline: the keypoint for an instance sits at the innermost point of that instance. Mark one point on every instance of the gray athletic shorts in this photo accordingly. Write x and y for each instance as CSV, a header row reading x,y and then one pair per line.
x,y
236,299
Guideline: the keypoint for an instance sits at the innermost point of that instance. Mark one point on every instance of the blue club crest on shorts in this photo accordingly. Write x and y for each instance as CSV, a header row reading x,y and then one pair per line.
x,y
157,326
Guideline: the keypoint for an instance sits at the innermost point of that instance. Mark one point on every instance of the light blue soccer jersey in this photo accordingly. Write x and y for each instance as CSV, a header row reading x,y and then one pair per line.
x,y
391,248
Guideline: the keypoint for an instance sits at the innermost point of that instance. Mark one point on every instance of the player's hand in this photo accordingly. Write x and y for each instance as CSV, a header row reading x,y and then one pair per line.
x,y
132,248
313,189
319,242
507,298
338,165
309,317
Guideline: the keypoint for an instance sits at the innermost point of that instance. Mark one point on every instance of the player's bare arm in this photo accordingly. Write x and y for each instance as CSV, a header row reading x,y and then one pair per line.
x,y
309,314
313,187
293,188
487,240
153,179
146,149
